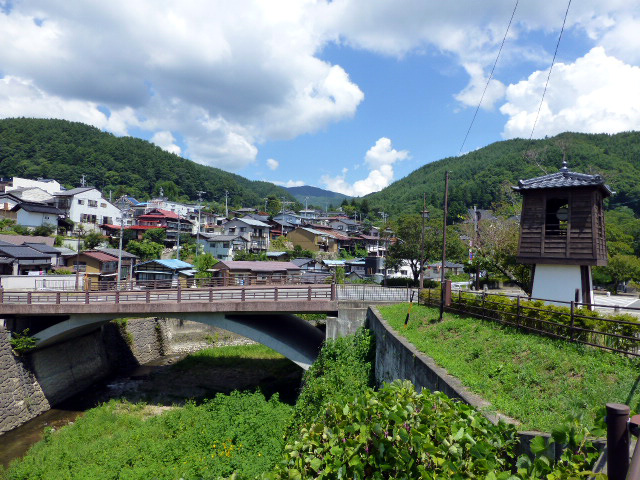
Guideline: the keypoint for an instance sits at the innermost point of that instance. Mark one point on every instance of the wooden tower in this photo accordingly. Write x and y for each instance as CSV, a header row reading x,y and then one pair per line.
x,y
562,233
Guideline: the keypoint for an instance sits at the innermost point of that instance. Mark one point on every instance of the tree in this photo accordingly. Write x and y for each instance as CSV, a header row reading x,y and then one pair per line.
x,y
203,263
408,245
92,240
274,205
496,247
157,235
145,249
622,268
44,230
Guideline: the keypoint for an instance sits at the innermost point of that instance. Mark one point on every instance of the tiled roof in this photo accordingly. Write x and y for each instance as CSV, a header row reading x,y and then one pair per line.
x,y
22,251
73,191
115,252
563,179
253,222
43,248
100,256
256,266
171,263
38,208
20,239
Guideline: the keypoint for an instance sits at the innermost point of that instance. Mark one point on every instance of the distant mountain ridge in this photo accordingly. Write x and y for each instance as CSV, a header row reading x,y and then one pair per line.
x,y
317,196
66,151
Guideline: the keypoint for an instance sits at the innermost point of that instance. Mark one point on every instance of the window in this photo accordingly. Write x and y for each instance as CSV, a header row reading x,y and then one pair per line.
x,y
92,203
80,202
225,245
103,205
557,216
243,229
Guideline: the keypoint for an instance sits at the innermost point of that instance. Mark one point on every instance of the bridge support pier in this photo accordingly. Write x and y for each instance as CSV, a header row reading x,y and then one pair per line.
x,y
351,316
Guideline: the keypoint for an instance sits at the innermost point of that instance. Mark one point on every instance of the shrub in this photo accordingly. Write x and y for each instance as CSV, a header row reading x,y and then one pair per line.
x,y
22,342
344,367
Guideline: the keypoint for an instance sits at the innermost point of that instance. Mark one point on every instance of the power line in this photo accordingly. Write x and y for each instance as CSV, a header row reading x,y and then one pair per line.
x,y
553,61
475,114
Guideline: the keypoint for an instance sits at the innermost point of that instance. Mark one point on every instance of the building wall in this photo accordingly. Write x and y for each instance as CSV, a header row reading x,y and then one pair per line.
x,y
109,210
49,187
34,219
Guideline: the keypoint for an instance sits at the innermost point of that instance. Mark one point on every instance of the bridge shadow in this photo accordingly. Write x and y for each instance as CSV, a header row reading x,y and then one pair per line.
x,y
194,379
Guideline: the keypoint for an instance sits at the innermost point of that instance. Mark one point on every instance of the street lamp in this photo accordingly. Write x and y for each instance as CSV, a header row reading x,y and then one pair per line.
x,y
425,216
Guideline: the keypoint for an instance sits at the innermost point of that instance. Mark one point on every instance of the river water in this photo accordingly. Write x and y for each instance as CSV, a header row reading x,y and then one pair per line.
x,y
157,382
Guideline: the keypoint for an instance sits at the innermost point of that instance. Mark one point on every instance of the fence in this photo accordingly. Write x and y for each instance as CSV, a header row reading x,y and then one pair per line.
x,y
177,295
377,293
575,322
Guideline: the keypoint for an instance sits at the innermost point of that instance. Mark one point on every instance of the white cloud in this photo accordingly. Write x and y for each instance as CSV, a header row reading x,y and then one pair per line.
x,y
288,183
166,141
224,75
472,93
595,94
379,159
272,163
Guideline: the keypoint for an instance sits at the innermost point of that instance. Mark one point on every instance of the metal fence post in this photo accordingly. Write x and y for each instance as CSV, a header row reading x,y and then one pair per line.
x,y
148,296
210,294
57,298
334,291
484,313
573,319
86,298
179,293
617,440
117,296
29,298
275,294
243,294
518,311
309,293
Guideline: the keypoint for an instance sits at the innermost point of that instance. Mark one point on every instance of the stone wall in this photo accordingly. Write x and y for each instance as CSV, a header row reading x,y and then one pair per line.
x,y
21,397
31,383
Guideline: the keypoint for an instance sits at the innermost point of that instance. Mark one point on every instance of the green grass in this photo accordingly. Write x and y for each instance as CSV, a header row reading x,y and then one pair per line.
x,y
536,380
236,355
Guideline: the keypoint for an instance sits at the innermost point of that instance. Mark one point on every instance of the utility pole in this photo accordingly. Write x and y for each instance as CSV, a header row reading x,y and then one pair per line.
x,y
200,192
444,241
178,242
82,181
475,243
425,214
226,203
122,214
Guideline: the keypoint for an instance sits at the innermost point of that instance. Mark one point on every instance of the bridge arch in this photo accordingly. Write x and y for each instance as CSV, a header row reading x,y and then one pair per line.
x,y
285,333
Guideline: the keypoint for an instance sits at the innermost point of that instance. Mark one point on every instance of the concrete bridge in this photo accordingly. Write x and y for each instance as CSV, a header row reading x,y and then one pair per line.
x,y
264,313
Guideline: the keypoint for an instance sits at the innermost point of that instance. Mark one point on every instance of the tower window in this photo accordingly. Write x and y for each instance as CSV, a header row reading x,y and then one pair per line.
x,y
557,216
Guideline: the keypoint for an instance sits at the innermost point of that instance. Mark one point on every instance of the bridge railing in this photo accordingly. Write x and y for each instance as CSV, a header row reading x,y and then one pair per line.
x,y
91,284
376,293
176,295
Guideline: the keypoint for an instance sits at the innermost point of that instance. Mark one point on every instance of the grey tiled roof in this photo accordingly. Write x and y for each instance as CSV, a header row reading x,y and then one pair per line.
x,y
563,179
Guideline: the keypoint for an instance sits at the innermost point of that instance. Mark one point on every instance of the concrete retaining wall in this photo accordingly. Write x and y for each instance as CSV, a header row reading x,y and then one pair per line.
x,y
396,358
30,384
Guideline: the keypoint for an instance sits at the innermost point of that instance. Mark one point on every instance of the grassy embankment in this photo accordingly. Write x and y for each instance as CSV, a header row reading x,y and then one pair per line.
x,y
209,439
536,380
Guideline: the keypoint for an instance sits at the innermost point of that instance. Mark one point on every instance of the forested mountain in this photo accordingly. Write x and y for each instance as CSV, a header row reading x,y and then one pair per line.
x,y
484,176
65,151
317,196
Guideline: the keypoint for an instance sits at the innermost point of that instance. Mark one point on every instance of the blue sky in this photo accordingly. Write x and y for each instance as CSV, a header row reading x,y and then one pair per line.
x,y
348,95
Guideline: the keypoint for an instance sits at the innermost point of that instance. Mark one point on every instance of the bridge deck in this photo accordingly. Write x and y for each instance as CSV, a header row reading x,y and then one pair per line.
x,y
287,298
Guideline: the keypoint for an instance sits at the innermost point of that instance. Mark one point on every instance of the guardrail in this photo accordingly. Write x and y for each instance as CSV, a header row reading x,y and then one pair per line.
x,y
364,292
571,321
177,295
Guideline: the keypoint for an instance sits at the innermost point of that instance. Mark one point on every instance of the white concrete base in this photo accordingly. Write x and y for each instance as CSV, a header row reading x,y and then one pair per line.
x,y
559,282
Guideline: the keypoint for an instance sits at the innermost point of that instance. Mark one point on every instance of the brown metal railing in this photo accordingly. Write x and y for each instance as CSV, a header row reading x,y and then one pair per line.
x,y
572,321
178,295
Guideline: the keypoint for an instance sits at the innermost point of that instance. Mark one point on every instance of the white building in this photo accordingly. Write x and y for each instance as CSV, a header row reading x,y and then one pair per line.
x,y
85,205
258,231
31,214
48,185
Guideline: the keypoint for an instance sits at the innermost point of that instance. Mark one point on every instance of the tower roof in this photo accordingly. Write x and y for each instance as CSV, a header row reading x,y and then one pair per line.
x,y
564,179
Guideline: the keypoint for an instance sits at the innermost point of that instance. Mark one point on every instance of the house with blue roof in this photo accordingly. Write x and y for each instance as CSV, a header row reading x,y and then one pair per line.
x,y
169,272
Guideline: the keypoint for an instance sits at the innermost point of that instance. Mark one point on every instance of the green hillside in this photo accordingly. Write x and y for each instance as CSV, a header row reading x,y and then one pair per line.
x,y
483,177
65,151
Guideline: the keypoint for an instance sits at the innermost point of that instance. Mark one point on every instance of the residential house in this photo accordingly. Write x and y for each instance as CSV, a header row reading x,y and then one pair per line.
x,y
86,206
344,225
258,232
356,266
280,256
224,247
171,272
370,243
279,228
289,217
312,270
313,240
21,239
22,260
247,273
46,184
7,202
96,265
129,204
309,214
159,218
54,253
127,261
32,214
33,194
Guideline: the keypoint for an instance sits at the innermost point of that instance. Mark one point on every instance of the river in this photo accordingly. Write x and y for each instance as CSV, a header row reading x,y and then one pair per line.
x,y
160,382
